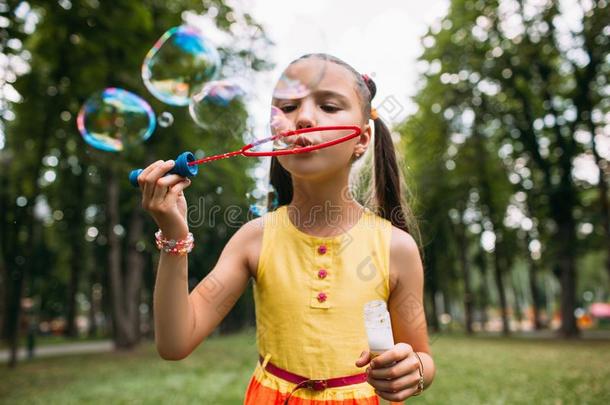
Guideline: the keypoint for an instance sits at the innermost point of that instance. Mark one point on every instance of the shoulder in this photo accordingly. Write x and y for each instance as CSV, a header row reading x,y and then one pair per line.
x,y
248,240
405,259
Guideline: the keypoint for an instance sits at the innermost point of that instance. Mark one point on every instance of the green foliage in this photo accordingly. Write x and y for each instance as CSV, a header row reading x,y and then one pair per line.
x,y
499,103
77,48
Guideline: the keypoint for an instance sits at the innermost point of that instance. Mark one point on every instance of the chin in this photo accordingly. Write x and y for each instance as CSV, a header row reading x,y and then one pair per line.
x,y
308,166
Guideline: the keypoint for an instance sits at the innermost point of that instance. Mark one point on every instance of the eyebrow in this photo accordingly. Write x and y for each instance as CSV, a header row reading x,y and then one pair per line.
x,y
322,93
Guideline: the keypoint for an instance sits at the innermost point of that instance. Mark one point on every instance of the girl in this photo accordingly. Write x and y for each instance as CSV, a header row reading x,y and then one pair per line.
x,y
312,273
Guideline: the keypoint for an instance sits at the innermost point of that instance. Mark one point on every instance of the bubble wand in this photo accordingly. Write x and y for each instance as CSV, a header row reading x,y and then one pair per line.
x,y
187,166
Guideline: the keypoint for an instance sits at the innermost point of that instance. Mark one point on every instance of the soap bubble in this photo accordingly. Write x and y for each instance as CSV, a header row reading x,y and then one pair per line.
x,y
179,64
113,118
280,122
295,83
288,88
216,99
287,99
259,199
166,119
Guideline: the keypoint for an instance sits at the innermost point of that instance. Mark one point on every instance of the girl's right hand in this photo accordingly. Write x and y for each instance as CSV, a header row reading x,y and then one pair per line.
x,y
163,198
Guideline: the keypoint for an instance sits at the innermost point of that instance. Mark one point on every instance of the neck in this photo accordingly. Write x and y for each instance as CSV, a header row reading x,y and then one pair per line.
x,y
322,205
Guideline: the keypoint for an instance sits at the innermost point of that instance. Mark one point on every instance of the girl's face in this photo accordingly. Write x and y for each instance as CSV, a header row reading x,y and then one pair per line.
x,y
322,93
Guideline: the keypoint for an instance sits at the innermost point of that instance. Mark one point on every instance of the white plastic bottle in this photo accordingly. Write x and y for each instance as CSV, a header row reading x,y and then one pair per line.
x,y
378,330
378,327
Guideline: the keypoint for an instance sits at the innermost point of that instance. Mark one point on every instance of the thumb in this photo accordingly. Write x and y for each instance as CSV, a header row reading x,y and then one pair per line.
x,y
364,359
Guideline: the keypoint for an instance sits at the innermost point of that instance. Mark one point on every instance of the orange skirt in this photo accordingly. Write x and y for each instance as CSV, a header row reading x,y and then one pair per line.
x,y
267,389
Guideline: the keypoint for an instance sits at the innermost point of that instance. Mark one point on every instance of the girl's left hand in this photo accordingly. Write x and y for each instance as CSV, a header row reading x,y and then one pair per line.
x,y
394,374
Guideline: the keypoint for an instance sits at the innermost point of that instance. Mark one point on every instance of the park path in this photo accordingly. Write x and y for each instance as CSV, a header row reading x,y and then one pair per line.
x,y
61,349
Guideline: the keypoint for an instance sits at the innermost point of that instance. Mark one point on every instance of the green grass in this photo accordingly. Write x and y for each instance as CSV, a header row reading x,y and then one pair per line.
x,y
469,371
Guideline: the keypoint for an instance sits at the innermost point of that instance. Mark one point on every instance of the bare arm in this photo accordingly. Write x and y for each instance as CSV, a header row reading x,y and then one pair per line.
x,y
395,373
183,321
406,300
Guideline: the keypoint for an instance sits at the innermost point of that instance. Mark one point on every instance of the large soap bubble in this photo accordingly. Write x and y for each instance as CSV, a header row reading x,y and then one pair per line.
x,y
217,98
113,118
179,64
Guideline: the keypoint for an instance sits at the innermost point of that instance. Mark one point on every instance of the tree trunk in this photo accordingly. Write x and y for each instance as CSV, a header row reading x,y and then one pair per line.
x,y
20,248
76,220
533,284
124,290
93,309
462,245
567,268
498,272
604,205
135,269
4,279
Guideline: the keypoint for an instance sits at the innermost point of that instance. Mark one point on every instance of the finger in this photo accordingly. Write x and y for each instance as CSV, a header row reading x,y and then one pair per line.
x,y
399,352
143,176
399,396
406,366
396,385
154,175
163,186
177,188
147,170
364,359
170,180
145,187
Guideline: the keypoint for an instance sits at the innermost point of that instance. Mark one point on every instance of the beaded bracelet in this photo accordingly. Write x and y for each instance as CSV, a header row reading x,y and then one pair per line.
x,y
172,246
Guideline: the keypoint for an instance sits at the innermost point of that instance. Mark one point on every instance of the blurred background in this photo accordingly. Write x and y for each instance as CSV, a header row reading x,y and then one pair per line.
x,y
500,112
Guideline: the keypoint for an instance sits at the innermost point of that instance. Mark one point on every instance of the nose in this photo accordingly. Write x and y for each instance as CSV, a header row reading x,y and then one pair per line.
x,y
305,116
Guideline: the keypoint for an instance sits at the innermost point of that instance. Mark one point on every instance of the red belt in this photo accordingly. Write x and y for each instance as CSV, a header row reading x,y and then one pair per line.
x,y
304,382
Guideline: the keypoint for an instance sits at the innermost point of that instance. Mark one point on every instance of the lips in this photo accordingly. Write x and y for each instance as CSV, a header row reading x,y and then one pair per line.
x,y
302,141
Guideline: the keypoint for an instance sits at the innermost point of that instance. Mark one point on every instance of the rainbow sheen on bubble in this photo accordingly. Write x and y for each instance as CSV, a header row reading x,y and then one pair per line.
x,y
113,118
179,64
288,88
278,123
216,99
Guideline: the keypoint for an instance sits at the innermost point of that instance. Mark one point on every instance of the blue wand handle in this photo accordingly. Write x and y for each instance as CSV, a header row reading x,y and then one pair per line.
x,y
181,168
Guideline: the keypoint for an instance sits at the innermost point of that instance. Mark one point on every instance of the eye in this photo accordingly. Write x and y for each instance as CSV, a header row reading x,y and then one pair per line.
x,y
287,108
330,108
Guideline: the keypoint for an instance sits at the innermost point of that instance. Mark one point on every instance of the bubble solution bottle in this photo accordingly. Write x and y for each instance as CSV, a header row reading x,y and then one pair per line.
x,y
378,327
378,330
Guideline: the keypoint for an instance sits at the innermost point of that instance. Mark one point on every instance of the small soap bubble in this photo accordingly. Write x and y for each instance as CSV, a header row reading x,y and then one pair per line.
x,y
166,119
261,200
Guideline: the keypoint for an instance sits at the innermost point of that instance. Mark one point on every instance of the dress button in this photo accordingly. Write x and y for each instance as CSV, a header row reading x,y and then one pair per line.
x,y
322,273
322,249
321,297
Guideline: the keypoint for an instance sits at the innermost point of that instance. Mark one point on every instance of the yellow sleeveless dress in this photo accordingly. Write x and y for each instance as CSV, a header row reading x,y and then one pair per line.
x,y
309,295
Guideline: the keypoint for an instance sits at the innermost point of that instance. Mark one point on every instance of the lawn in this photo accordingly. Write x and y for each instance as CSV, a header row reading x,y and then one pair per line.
x,y
469,371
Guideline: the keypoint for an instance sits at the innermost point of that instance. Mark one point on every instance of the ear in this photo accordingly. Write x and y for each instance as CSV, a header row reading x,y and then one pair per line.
x,y
363,140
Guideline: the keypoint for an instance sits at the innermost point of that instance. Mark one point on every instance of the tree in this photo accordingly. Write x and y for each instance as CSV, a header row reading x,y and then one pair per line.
x,y
513,82
70,195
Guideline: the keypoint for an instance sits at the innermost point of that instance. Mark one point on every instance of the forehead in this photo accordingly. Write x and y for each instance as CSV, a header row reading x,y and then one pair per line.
x,y
318,74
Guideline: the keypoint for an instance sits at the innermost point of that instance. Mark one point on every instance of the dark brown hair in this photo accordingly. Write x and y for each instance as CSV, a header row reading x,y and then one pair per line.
x,y
387,198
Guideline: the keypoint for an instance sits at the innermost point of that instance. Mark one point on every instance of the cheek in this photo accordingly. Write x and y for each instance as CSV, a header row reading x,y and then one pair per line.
x,y
331,158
